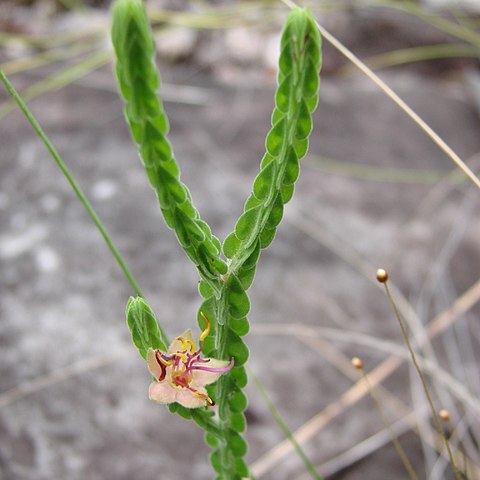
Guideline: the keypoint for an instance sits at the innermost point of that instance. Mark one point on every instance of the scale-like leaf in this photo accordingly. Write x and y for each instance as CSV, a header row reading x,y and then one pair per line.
x,y
143,326
139,80
223,285
286,143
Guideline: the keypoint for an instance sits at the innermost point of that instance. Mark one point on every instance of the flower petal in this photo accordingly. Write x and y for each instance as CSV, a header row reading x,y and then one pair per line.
x,y
153,366
177,345
189,400
162,392
201,377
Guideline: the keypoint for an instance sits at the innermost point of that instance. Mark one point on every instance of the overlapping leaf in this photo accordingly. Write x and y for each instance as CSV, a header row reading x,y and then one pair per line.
x,y
286,143
139,80
223,286
143,326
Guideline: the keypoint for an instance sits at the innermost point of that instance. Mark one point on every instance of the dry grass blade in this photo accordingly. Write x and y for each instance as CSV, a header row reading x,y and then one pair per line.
x,y
43,58
314,339
267,461
44,381
364,448
417,54
396,99
60,79
462,32
353,258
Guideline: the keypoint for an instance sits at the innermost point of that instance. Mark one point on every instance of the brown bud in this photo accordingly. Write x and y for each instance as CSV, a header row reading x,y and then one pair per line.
x,y
444,415
382,275
357,363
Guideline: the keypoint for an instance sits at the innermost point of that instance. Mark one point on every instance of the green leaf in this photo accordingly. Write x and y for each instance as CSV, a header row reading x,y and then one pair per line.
x,y
238,402
237,349
287,193
204,289
185,413
311,80
263,183
216,462
275,139
283,95
301,147
276,213
304,122
241,468
238,422
267,236
247,223
252,259
246,277
239,326
143,326
238,445
211,440
231,245
237,299
239,376
139,81
292,168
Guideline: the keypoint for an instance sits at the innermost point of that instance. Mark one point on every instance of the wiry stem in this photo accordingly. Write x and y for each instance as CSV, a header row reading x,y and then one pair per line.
x,y
436,418
223,416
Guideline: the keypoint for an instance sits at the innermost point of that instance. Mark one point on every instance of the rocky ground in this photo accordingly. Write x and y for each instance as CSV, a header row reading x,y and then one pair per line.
x,y
74,391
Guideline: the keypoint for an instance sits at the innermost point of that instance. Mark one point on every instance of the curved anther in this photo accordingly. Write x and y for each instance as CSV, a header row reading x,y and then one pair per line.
x,y
205,333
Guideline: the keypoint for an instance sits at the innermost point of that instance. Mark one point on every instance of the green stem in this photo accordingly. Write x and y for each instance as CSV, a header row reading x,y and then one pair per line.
x,y
221,339
71,180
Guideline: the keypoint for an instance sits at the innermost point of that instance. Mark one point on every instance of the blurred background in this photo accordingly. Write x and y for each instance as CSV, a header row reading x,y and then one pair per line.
x,y
374,192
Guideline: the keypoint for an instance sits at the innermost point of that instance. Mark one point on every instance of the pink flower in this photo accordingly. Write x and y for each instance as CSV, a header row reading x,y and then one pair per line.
x,y
181,374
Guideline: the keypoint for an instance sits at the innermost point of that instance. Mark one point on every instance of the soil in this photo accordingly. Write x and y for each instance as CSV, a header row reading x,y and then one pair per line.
x,y
74,398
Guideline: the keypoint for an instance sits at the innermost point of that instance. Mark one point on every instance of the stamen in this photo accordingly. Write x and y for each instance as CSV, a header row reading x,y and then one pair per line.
x,y
215,370
205,333
187,345
205,397
163,359
182,356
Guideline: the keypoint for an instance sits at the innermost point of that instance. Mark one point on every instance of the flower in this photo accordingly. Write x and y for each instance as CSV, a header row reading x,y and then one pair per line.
x,y
181,374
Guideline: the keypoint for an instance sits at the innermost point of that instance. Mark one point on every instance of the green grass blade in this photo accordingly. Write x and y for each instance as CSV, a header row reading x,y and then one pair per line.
x,y
283,425
61,79
66,172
